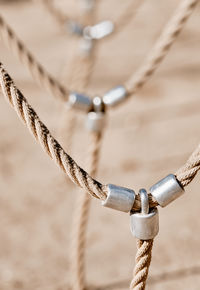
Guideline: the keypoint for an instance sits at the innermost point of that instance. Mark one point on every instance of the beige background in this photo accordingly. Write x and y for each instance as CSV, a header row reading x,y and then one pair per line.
x,y
146,138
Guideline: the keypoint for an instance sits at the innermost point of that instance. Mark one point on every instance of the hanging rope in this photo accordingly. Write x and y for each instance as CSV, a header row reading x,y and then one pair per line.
x,y
81,219
143,260
35,68
66,163
46,140
135,82
80,177
161,48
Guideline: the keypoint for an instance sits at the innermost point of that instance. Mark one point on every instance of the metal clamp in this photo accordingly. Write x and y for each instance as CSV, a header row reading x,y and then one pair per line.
x,y
119,198
115,96
99,30
80,102
96,118
145,224
166,190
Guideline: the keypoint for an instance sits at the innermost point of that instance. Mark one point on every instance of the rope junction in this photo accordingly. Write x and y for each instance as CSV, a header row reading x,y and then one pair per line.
x,y
135,82
80,177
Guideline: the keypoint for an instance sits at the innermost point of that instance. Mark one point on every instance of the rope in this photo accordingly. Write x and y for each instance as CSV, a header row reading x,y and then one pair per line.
x,y
60,17
81,219
128,15
161,48
188,171
143,260
35,68
80,177
135,82
120,22
80,77
40,132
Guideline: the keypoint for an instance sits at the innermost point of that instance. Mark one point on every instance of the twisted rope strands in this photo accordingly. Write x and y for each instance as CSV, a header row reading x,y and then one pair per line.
x,y
186,173
35,68
43,136
143,260
135,82
81,219
64,161
80,78
81,68
160,50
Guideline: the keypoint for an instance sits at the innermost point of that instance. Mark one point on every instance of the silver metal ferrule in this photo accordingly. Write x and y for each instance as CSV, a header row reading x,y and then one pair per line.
x,y
145,224
166,190
96,118
119,198
115,96
80,102
99,30
95,121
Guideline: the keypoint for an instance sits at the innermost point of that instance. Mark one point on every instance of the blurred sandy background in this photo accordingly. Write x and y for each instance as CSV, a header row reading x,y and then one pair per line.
x,y
146,138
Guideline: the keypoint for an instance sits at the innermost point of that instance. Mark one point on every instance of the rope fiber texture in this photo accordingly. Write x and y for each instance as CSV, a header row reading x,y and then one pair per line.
x,y
37,71
143,260
162,47
136,80
81,72
40,132
81,218
80,177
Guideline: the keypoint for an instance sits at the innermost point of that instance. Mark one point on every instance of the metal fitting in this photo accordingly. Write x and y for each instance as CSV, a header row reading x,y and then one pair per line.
x,y
95,121
96,118
80,102
119,198
166,190
115,96
99,30
86,46
145,225
74,27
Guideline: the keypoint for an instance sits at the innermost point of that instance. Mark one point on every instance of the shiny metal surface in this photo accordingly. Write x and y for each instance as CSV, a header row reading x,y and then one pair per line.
x,y
166,190
145,225
115,96
80,102
119,198
95,121
99,30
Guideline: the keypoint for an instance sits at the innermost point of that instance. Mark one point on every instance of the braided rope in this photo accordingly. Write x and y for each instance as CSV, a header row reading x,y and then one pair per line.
x,y
29,117
188,171
35,68
64,161
143,260
82,72
161,48
81,219
135,82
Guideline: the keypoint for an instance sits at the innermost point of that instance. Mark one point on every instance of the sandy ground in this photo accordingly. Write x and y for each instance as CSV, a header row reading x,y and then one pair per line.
x,y
146,138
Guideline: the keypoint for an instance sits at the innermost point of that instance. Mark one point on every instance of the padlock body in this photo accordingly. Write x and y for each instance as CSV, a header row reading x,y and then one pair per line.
x,y
145,226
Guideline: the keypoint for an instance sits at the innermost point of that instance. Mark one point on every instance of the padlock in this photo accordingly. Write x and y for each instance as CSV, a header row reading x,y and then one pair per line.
x,y
145,224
